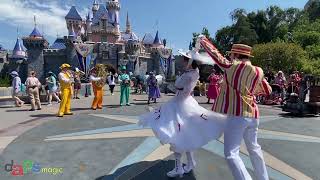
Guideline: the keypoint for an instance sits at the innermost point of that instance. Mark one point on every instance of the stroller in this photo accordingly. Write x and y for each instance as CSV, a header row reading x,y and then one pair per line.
x,y
275,98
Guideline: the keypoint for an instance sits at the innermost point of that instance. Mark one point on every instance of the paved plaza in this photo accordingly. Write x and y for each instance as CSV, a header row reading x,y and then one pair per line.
x,y
108,144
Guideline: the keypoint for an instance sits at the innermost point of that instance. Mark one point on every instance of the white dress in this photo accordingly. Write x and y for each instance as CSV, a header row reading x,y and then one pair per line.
x,y
182,122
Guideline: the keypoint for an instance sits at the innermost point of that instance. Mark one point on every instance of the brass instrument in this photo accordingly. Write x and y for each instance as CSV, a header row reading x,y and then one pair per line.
x,y
102,73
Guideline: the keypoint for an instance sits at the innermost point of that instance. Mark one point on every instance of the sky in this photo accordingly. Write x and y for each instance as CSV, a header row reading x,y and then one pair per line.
x,y
176,20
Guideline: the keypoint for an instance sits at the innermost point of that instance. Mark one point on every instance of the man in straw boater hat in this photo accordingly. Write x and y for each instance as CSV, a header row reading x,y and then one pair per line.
x,y
66,80
236,99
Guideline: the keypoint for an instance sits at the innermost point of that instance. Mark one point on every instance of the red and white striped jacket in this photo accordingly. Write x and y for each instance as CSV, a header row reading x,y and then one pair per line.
x,y
242,81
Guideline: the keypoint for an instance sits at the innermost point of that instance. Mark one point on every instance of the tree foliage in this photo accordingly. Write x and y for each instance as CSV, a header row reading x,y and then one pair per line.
x,y
279,56
284,39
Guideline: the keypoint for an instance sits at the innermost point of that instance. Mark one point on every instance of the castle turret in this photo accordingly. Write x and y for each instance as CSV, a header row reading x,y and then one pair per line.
x,y
128,25
113,7
95,7
88,26
74,20
157,42
18,51
35,43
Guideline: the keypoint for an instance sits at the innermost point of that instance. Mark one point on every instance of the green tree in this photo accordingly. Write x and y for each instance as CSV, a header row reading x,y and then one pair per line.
x,y
279,56
224,38
313,9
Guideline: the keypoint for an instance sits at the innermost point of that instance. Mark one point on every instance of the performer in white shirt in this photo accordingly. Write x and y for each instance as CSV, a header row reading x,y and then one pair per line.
x,y
182,122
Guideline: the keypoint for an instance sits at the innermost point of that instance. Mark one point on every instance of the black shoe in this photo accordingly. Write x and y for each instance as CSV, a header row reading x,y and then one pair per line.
x,y
39,109
31,109
77,98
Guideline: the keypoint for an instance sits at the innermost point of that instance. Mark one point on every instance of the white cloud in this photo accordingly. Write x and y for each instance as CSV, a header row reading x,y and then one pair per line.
x,y
50,15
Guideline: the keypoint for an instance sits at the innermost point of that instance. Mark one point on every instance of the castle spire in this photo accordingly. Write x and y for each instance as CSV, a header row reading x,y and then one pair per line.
x,y
128,25
34,20
157,39
95,7
18,51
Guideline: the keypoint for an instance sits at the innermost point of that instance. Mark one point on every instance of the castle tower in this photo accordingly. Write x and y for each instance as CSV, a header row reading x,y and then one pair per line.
x,y
128,25
74,21
157,42
95,7
88,26
113,7
35,43
18,51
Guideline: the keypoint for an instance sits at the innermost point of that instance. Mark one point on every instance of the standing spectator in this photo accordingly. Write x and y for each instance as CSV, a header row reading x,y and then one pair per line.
x,y
77,83
269,76
16,88
33,85
111,82
214,87
52,86
281,81
154,91
46,88
146,77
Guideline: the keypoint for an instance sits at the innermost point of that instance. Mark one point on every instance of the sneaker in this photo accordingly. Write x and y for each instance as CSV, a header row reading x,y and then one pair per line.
x,y
176,172
31,109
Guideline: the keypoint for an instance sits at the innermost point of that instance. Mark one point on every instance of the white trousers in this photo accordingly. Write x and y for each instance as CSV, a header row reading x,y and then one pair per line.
x,y
239,128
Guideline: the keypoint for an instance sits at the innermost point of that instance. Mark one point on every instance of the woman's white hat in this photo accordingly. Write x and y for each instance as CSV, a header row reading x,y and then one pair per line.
x,y
203,58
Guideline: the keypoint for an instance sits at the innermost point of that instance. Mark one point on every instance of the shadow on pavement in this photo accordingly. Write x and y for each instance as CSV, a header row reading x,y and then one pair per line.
x,y
154,170
292,115
17,110
43,115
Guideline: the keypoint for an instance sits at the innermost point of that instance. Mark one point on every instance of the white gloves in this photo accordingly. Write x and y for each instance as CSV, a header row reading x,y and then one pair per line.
x,y
198,46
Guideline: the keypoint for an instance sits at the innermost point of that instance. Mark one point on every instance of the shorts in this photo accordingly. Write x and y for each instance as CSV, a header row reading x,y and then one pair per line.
x,y
77,86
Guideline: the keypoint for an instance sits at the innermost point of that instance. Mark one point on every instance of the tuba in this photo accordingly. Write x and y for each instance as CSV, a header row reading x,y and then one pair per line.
x,y
102,73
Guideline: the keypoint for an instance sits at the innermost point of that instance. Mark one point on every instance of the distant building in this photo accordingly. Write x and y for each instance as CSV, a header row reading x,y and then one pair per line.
x,y
3,57
97,37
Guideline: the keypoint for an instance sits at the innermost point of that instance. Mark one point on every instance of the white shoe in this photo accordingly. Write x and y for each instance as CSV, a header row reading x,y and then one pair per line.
x,y
49,104
188,168
176,172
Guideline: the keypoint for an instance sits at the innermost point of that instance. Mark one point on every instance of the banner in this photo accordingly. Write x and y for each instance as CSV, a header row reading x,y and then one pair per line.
x,y
84,49
164,65
85,53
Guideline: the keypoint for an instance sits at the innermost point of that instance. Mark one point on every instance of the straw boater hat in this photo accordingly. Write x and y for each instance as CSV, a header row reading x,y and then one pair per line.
x,y
65,66
241,49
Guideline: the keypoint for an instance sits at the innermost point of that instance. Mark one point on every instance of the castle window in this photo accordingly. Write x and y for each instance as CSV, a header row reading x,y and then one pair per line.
x,y
104,24
105,55
104,39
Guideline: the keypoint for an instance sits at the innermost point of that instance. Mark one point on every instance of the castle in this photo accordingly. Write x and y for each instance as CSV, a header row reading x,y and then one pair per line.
x,y
97,38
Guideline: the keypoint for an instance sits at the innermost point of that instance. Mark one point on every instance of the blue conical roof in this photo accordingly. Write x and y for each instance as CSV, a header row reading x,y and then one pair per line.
x,y
35,33
148,39
73,14
157,40
18,51
58,44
